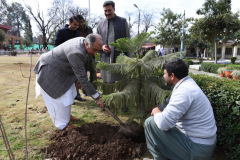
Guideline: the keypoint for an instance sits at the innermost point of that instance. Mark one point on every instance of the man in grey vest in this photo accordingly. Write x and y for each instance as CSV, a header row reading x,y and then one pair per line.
x,y
59,69
111,29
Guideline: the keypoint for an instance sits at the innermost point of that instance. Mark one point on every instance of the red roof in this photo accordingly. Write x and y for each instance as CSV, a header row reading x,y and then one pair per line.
x,y
148,45
5,27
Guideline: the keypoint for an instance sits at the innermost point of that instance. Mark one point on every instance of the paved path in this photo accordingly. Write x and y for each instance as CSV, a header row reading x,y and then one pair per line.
x,y
194,71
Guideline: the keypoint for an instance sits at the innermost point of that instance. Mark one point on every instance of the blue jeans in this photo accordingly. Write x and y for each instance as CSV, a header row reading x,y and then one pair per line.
x,y
173,144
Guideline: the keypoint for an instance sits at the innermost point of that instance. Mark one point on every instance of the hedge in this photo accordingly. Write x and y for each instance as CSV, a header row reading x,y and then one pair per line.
x,y
224,95
188,62
234,66
211,67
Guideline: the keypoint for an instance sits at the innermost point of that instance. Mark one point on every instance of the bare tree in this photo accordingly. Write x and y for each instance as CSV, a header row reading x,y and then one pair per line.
x,y
76,10
147,21
94,21
3,10
44,26
63,12
129,16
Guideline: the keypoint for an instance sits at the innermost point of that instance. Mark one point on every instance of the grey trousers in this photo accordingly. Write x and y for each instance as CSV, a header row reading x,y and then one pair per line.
x,y
108,77
173,144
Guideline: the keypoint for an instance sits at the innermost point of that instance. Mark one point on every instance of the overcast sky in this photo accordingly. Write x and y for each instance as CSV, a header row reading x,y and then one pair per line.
x,y
177,6
121,6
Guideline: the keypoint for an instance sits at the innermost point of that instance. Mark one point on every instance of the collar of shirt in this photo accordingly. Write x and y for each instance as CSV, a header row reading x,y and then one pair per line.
x,y
112,18
179,82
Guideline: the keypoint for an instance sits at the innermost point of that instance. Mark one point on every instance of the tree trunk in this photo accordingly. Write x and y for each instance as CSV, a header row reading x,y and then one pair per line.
x,y
44,41
215,50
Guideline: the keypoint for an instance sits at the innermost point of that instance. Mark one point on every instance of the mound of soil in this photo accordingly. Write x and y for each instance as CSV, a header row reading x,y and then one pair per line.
x,y
94,141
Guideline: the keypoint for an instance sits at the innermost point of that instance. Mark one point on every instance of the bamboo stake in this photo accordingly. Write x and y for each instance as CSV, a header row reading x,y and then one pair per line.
x,y
26,152
6,142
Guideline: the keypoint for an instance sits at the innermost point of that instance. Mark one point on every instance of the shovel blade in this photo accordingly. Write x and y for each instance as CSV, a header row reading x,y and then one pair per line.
x,y
126,131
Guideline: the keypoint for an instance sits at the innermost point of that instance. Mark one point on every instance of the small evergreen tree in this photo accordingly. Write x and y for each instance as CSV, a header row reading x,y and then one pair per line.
x,y
2,36
28,39
27,42
142,86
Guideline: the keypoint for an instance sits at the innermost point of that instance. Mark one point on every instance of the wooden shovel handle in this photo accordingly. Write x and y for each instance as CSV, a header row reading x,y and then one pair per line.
x,y
113,115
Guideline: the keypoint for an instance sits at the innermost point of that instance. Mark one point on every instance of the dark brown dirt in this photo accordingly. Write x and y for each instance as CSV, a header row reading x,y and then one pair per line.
x,y
95,141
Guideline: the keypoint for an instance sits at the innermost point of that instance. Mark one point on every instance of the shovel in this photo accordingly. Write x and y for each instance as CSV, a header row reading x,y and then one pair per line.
x,y
125,129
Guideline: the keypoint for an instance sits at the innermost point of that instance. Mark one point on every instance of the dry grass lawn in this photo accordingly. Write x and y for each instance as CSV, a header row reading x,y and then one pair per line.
x,y
13,94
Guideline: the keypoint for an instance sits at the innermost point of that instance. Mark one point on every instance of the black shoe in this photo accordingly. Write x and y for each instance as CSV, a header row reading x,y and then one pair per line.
x,y
80,98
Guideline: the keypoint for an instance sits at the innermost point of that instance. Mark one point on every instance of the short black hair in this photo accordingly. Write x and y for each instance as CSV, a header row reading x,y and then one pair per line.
x,y
178,67
107,3
73,18
80,17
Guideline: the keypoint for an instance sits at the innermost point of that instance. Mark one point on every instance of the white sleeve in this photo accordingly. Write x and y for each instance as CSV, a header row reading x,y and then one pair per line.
x,y
94,96
178,105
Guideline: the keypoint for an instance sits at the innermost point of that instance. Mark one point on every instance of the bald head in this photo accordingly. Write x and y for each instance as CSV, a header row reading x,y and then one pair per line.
x,y
93,43
92,38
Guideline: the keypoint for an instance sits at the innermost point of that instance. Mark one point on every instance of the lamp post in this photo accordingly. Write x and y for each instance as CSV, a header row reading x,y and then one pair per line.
x,y
182,38
138,17
89,10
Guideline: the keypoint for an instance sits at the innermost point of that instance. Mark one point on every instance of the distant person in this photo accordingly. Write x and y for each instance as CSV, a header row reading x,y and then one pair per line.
x,y
162,51
186,127
57,73
199,54
85,30
68,32
4,47
159,53
111,29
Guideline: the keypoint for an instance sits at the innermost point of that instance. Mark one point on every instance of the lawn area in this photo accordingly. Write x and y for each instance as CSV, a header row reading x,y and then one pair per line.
x,y
14,73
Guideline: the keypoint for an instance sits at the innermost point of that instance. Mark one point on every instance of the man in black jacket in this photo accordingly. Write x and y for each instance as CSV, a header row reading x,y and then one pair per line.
x,y
68,32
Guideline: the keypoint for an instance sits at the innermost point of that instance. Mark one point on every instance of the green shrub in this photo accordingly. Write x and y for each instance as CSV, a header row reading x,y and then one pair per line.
x,y
221,70
211,67
233,59
229,68
235,66
205,67
214,68
224,95
235,73
188,61
97,57
200,60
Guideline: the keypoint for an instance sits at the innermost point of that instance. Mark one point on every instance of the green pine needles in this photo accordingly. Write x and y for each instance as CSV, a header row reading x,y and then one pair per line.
x,y
142,85
131,45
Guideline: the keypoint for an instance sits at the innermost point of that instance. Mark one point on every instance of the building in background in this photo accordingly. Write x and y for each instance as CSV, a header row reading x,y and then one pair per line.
x,y
10,40
228,50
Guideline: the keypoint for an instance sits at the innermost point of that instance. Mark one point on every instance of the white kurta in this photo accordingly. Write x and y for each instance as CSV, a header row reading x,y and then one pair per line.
x,y
59,109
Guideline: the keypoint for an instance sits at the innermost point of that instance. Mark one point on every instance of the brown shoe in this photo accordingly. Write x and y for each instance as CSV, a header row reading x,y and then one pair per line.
x,y
72,118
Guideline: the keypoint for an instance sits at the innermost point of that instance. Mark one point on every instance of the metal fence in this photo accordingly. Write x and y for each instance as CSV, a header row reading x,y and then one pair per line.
x,y
16,52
